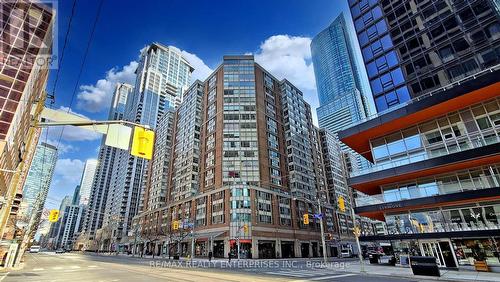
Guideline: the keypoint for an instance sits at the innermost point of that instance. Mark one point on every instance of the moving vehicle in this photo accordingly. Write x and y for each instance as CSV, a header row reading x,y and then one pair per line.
x,y
60,251
346,253
34,249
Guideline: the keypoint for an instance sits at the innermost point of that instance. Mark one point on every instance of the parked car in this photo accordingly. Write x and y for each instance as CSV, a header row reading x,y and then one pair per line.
x,y
60,251
34,249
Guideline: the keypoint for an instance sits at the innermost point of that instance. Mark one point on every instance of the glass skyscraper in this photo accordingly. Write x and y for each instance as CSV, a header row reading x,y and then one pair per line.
x,y
341,95
38,182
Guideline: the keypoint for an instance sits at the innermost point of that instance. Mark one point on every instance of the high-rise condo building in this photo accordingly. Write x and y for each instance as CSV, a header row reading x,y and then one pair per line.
x,y
159,172
163,74
186,147
93,217
411,48
250,140
434,71
86,181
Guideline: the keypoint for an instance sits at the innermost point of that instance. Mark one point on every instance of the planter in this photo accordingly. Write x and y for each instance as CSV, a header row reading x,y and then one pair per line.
x,y
480,265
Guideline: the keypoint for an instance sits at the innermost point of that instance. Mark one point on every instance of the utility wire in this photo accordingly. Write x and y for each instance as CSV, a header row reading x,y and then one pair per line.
x,y
82,65
66,39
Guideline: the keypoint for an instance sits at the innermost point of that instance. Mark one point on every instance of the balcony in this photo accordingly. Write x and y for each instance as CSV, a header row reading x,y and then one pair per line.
x,y
480,87
436,188
465,144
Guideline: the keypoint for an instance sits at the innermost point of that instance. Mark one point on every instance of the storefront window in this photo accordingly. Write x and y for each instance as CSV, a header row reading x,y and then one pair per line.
x,y
469,250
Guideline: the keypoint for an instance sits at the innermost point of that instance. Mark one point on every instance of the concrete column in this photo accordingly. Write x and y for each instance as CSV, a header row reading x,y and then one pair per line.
x,y
255,248
226,247
310,249
278,248
297,249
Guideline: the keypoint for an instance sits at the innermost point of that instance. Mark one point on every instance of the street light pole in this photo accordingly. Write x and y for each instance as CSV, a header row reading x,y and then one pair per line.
x,y
192,245
239,235
322,232
357,233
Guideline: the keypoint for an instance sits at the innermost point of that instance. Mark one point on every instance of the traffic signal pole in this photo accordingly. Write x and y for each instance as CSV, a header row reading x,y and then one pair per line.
x,y
322,232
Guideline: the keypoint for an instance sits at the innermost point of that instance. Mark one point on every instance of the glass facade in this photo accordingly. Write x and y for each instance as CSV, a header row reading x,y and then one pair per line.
x,y
409,50
341,95
39,178
472,127
481,216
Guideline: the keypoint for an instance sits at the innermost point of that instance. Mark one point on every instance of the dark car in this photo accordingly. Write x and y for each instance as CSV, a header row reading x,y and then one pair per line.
x,y
60,251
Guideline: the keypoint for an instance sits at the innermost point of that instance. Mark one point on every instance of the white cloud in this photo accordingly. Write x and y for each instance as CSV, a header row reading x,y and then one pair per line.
x,y
63,147
201,70
67,174
97,97
289,57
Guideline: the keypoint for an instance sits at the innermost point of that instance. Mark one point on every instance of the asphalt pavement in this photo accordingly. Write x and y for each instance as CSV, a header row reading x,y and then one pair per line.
x,y
103,268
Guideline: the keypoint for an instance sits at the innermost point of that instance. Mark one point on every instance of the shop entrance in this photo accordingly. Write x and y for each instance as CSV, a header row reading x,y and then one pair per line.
x,y
304,249
267,249
441,250
315,249
287,249
218,249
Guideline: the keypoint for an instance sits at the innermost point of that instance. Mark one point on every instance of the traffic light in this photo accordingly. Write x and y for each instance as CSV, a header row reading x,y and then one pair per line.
x,y
245,228
54,215
357,231
175,225
142,143
341,203
306,218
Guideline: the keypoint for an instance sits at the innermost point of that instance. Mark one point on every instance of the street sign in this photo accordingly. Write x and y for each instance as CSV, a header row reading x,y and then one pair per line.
x,y
318,215
54,215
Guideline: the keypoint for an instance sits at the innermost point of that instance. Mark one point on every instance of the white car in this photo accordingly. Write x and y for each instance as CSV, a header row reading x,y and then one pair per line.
x,y
34,249
345,253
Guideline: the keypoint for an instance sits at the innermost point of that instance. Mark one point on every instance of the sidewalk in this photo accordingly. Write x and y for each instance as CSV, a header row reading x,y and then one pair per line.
x,y
446,275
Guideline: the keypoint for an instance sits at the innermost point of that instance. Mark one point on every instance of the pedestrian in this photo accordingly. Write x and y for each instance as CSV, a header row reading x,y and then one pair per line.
x,y
210,256
229,256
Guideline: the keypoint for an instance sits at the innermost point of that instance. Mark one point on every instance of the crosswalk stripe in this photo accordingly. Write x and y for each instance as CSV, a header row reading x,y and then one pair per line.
x,y
294,273
38,269
74,266
57,268
92,266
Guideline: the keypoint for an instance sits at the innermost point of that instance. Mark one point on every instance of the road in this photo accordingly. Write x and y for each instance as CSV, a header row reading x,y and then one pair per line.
x,y
79,267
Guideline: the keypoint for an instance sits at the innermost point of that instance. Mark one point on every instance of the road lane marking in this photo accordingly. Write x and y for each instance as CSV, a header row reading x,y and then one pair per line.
x,y
38,269
74,266
57,268
92,266
331,277
3,277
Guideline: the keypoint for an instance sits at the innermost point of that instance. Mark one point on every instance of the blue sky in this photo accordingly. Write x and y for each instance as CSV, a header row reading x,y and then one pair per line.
x,y
277,32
